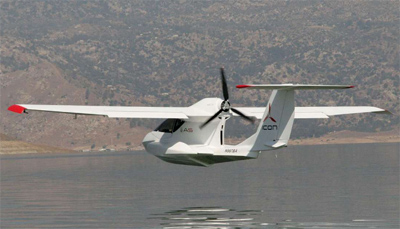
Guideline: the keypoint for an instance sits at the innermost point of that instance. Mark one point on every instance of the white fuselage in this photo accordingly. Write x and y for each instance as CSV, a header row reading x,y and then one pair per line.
x,y
184,142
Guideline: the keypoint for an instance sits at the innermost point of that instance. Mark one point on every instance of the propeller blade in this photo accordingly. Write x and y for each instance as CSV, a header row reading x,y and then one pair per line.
x,y
210,119
224,86
242,115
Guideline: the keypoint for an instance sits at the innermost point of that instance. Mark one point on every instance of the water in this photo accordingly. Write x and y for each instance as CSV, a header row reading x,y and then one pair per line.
x,y
336,186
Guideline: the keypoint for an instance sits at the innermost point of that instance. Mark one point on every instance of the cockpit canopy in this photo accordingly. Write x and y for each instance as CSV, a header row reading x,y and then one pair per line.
x,y
169,125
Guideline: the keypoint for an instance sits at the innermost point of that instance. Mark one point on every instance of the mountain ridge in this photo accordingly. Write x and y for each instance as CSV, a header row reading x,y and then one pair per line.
x,y
140,53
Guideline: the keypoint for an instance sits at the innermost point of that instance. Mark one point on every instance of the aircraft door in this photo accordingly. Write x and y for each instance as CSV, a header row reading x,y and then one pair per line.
x,y
168,127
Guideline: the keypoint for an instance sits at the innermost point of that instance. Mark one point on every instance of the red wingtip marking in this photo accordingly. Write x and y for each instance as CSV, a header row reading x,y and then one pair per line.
x,y
16,108
242,86
351,86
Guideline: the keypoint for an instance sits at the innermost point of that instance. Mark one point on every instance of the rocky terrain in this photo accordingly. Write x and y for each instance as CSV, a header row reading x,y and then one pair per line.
x,y
168,53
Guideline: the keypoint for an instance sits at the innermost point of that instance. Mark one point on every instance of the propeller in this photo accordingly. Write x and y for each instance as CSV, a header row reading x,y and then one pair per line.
x,y
225,105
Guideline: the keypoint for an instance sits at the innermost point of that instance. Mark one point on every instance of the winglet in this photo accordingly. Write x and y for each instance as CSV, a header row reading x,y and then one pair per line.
x,y
16,108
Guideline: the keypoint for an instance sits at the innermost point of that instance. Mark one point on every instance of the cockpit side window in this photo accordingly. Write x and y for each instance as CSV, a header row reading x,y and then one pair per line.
x,y
178,124
170,125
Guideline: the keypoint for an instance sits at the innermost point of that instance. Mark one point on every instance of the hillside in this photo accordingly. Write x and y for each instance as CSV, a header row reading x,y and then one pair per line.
x,y
141,53
10,145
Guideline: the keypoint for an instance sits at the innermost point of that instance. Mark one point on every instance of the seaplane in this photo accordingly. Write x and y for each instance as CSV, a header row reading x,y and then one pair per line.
x,y
194,135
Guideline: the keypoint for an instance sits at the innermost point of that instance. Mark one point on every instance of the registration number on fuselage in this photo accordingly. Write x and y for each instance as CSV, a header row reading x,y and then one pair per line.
x,y
231,150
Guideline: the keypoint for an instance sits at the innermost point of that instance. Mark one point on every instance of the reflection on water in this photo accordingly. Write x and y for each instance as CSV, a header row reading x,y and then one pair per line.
x,y
219,217
210,217
301,187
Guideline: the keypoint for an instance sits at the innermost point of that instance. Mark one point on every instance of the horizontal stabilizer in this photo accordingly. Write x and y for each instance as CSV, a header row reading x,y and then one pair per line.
x,y
293,86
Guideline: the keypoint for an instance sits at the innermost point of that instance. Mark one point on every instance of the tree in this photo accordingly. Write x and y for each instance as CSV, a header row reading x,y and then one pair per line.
x,y
87,94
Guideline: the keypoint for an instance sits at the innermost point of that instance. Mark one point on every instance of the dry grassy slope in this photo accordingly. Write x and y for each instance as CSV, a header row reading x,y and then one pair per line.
x,y
10,145
350,137
44,83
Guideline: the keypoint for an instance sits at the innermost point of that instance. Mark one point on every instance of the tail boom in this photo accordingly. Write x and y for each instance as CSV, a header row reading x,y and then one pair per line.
x,y
277,121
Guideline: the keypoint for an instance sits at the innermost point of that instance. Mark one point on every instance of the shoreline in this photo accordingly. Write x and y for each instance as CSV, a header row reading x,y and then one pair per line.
x,y
350,137
10,146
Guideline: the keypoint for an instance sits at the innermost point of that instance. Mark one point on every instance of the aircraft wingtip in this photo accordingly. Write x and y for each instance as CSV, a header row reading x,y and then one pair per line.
x,y
17,108
242,86
387,112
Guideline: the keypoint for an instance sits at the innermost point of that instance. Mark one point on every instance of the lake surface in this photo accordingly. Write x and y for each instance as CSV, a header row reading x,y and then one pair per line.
x,y
335,186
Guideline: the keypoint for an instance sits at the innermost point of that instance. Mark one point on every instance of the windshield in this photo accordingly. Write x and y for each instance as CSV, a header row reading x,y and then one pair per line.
x,y
170,125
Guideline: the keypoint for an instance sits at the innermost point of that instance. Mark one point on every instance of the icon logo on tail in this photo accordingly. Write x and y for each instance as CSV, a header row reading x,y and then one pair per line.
x,y
269,115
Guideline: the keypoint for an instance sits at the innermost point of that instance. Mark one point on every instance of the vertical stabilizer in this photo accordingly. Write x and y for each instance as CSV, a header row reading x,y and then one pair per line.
x,y
277,122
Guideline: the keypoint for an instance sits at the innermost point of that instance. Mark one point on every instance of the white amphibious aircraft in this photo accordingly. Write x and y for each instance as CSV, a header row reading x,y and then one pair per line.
x,y
195,135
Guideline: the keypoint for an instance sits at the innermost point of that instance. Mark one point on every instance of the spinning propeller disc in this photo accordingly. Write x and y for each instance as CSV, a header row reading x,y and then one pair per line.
x,y
225,105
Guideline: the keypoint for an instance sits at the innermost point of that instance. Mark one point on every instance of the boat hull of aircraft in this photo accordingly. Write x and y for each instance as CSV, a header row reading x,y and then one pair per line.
x,y
201,160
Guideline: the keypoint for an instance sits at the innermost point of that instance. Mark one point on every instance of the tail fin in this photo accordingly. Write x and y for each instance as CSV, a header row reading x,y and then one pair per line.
x,y
276,125
277,122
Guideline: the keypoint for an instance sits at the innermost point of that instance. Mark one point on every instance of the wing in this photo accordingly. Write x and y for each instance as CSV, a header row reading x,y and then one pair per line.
x,y
317,112
186,112
114,111
326,112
